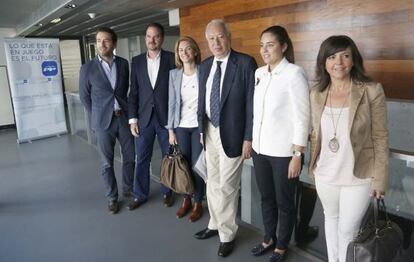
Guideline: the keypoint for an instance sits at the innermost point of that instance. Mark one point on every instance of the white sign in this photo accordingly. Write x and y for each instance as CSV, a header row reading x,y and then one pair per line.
x,y
36,87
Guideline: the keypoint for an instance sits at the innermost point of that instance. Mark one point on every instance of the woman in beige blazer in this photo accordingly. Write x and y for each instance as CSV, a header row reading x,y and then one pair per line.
x,y
349,141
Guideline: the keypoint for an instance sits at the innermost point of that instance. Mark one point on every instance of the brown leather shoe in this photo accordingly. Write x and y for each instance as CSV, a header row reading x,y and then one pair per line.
x,y
185,207
197,212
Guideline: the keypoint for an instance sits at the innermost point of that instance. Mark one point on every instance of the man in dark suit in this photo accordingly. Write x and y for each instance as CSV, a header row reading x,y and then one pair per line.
x,y
225,120
148,110
103,87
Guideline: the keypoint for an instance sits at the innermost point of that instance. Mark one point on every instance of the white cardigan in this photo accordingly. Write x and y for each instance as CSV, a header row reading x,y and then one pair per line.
x,y
281,109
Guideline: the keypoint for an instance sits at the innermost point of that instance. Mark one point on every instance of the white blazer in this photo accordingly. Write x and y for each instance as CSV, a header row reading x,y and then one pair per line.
x,y
281,111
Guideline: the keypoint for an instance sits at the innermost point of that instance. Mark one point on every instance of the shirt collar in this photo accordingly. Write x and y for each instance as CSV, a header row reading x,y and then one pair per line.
x,y
100,58
156,58
279,68
224,59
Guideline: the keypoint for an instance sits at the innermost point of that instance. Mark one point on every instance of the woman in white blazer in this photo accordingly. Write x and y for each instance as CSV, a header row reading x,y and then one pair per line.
x,y
280,132
182,117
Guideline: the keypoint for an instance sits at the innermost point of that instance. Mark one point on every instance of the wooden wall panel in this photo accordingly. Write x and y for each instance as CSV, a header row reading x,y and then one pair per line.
x,y
382,29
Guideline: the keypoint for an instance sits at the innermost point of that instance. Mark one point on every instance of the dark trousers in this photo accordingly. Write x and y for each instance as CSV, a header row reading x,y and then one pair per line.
x,y
144,144
118,129
189,142
278,197
305,198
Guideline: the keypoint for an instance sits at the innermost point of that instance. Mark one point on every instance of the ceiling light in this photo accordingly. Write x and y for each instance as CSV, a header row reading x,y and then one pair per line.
x,y
92,15
39,24
70,6
56,20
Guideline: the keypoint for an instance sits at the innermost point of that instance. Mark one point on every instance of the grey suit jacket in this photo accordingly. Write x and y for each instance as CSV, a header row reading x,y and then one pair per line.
x,y
97,94
174,97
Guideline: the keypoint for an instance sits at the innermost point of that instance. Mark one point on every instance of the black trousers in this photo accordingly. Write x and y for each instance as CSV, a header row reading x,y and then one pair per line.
x,y
278,197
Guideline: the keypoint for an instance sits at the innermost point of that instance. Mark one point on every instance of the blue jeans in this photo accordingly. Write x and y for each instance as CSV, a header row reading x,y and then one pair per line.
x,y
144,144
189,142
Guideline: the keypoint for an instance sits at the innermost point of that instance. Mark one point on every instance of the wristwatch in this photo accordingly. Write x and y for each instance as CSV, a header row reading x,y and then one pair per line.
x,y
297,153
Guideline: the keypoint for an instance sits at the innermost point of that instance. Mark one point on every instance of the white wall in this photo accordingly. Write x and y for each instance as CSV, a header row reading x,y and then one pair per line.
x,y
6,112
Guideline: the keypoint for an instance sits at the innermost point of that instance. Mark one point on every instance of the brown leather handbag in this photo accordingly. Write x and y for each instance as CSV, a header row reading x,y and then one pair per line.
x,y
378,241
175,172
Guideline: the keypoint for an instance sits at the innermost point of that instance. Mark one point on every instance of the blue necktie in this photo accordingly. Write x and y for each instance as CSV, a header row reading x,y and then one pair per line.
x,y
215,97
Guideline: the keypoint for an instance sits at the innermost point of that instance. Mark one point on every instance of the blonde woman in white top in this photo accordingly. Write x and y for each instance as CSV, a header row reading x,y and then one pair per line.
x,y
182,117
280,132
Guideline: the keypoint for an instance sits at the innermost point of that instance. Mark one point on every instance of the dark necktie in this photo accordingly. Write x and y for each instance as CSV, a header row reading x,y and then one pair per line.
x,y
215,97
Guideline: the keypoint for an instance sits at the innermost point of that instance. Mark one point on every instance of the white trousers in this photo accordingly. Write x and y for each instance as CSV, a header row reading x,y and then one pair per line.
x,y
223,185
344,208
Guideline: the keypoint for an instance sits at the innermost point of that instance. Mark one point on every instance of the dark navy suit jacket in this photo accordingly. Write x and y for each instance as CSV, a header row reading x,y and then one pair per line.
x,y
143,99
236,103
97,94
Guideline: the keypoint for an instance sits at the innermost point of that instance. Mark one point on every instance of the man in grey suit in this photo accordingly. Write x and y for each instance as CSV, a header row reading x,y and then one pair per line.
x,y
225,118
103,87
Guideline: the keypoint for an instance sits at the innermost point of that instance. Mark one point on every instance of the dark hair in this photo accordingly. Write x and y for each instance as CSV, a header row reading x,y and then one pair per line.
x,y
332,45
282,36
109,31
156,25
193,45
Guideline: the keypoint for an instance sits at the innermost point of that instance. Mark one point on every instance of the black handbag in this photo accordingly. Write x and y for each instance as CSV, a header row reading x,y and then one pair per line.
x,y
377,241
175,172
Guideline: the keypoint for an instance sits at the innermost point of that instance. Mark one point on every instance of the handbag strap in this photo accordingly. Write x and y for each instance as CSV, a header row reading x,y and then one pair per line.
x,y
379,205
174,150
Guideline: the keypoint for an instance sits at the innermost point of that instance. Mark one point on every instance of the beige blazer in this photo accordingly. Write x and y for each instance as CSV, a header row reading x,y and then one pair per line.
x,y
367,128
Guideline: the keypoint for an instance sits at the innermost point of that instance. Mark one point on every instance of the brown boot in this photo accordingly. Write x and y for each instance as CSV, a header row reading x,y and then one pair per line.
x,y
197,212
185,207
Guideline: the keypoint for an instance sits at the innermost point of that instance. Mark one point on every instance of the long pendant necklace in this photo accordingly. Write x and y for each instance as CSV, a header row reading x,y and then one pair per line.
x,y
334,143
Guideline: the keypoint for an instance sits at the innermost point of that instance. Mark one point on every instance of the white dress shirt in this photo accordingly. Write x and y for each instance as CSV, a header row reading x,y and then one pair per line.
x,y
281,110
209,82
153,66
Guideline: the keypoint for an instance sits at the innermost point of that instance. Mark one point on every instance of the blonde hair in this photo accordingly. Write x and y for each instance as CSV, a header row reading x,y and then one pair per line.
x,y
193,45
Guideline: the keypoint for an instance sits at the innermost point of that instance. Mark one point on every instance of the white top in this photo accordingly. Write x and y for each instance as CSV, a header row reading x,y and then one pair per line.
x,y
153,66
209,82
281,109
189,101
336,168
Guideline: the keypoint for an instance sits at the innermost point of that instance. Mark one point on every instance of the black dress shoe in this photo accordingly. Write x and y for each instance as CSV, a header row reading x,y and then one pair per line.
x,y
206,233
225,248
168,200
113,207
260,249
277,257
135,204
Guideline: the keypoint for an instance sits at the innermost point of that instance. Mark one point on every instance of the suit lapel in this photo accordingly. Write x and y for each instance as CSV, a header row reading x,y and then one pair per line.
x,y
205,74
101,70
118,72
229,75
163,68
318,106
357,92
